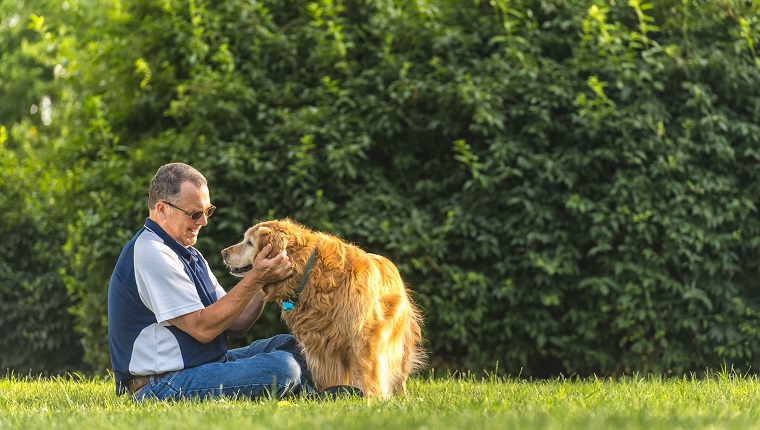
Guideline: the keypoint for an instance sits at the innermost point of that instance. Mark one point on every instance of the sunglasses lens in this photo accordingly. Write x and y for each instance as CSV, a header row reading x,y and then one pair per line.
x,y
209,212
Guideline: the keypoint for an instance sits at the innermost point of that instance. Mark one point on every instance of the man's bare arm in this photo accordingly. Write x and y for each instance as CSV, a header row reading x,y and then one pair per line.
x,y
249,316
206,324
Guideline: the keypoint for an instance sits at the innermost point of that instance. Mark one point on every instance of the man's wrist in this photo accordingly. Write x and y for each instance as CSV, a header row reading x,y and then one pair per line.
x,y
252,282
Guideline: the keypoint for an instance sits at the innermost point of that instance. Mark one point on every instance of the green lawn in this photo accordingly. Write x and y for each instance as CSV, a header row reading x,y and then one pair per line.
x,y
718,402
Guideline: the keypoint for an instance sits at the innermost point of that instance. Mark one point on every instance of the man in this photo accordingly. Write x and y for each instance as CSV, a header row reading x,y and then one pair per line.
x,y
168,317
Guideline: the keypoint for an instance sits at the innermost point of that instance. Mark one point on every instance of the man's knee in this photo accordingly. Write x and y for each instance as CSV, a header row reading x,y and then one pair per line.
x,y
289,368
289,375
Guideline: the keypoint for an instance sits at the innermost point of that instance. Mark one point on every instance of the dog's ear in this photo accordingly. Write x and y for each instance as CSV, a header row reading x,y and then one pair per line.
x,y
274,236
279,240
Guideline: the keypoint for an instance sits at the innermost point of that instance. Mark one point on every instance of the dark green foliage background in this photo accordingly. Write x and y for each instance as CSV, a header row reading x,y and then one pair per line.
x,y
567,186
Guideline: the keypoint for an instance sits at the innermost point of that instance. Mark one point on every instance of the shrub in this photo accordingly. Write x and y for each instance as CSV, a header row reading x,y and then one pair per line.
x,y
566,187
38,329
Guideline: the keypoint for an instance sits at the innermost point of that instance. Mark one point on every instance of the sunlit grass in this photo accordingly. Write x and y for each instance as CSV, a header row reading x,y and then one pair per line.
x,y
722,401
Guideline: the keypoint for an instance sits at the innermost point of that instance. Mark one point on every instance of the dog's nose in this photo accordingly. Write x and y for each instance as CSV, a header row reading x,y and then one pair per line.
x,y
224,253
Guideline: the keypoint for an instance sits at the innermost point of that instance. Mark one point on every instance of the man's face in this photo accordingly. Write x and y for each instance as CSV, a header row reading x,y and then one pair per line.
x,y
177,223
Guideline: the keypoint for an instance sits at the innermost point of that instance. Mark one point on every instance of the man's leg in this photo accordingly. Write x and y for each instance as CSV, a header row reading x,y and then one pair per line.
x,y
269,367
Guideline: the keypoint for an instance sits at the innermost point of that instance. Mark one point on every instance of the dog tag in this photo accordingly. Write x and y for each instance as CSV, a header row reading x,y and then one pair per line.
x,y
287,306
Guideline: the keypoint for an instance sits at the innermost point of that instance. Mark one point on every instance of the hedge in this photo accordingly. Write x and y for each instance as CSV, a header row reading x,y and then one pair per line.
x,y
567,187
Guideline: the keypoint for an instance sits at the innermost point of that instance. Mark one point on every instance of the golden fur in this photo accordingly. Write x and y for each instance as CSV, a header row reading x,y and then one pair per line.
x,y
354,318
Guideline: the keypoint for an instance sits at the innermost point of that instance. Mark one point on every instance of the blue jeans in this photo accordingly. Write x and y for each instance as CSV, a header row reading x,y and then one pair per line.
x,y
267,367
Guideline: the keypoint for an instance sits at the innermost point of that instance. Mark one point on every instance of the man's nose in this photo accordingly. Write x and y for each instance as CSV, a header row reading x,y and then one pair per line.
x,y
203,220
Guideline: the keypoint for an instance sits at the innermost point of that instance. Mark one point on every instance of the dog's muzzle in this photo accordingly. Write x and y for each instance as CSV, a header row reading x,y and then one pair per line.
x,y
239,271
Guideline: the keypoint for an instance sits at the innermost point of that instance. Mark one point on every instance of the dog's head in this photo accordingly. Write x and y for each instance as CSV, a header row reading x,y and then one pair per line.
x,y
239,258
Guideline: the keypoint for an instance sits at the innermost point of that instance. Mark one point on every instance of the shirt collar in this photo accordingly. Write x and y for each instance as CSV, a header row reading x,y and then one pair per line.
x,y
177,247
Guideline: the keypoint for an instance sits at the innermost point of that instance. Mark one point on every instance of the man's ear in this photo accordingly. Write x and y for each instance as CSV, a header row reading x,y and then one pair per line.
x,y
161,208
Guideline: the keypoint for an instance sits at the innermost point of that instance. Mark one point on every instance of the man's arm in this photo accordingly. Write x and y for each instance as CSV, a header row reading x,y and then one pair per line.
x,y
249,316
206,324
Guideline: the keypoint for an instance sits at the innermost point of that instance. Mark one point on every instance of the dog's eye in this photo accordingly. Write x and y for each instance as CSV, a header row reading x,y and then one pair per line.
x,y
249,243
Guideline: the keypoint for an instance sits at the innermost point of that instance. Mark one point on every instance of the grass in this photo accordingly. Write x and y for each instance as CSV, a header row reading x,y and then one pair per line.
x,y
722,401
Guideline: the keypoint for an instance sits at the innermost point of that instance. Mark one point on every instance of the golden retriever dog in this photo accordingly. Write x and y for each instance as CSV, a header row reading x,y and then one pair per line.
x,y
349,309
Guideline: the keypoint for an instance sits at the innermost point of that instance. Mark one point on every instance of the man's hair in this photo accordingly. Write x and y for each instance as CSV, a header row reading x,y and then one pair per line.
x,y
168,180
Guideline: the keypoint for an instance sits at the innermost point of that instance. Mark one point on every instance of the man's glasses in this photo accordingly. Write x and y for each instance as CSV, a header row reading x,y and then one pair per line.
x,y
195,215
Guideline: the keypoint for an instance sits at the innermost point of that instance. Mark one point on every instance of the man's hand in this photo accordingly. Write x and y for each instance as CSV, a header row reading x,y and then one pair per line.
x,y
269,270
